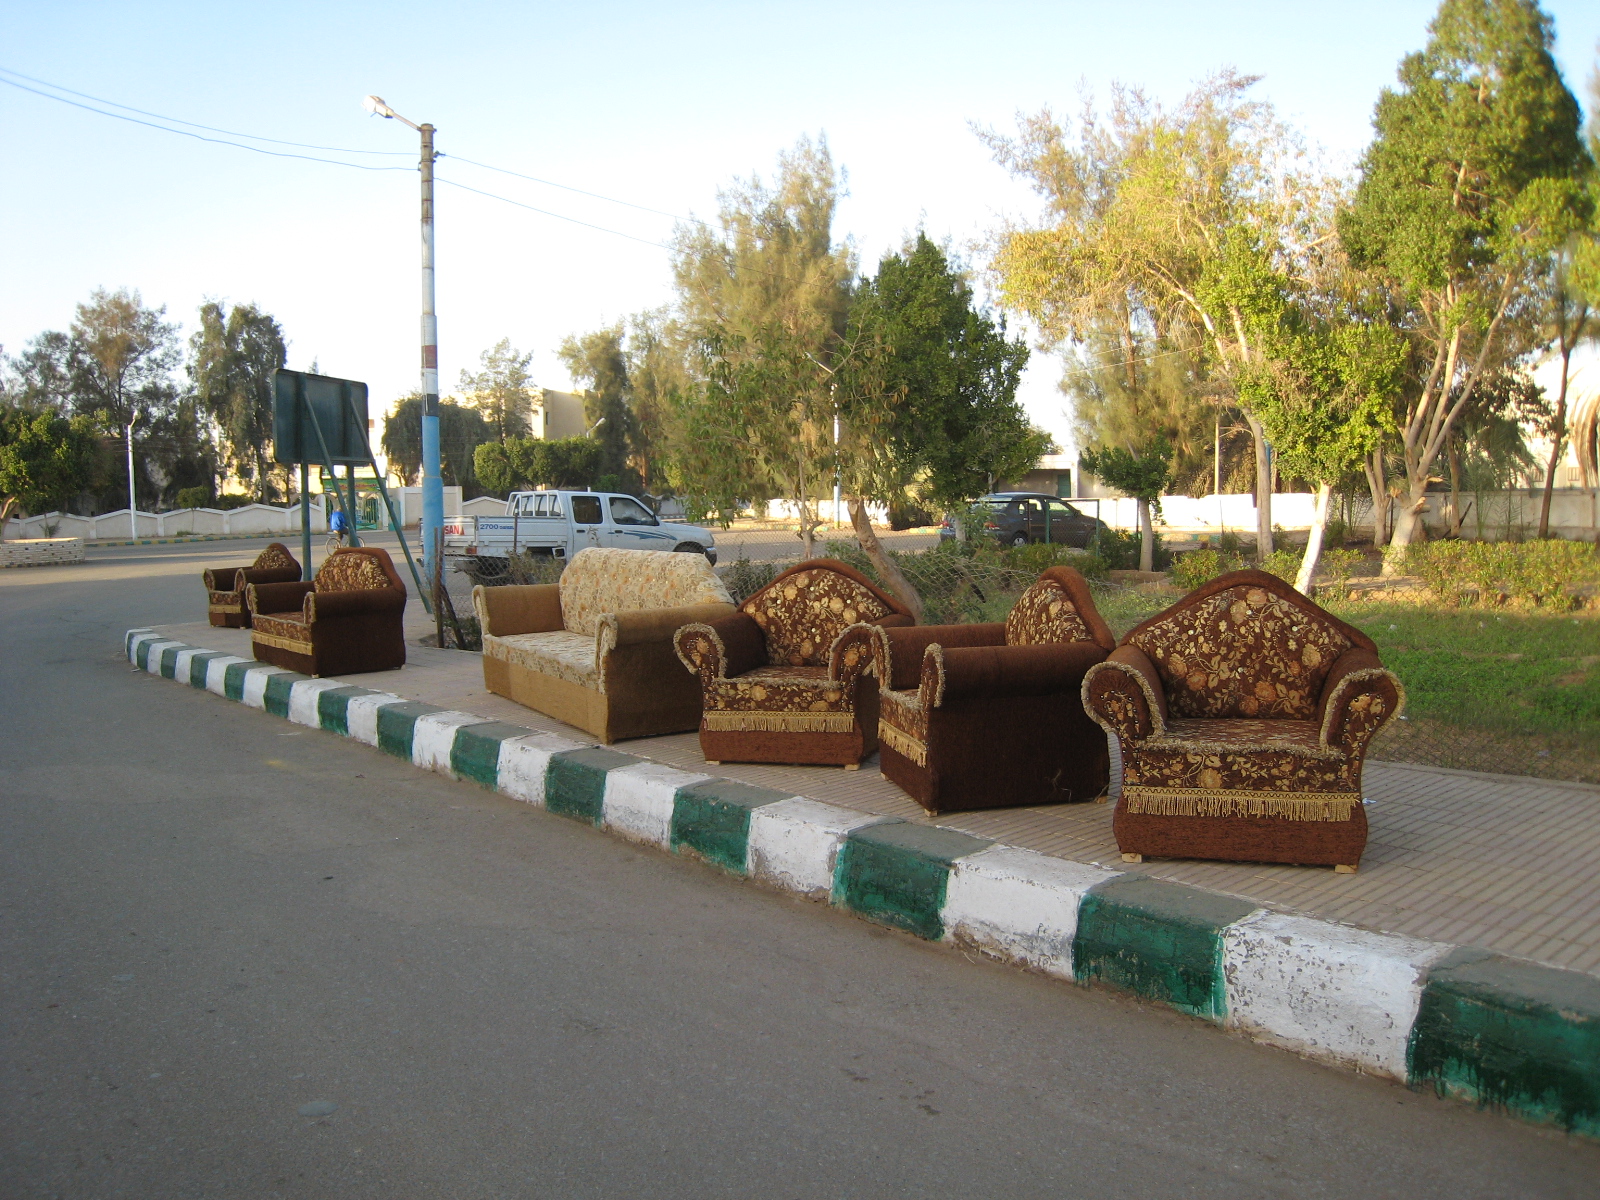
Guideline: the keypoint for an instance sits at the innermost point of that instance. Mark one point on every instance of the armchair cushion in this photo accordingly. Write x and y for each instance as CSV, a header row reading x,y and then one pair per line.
x,y
805,609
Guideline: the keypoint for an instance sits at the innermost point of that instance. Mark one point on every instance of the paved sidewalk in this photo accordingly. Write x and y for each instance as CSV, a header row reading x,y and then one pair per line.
x,y
1494,861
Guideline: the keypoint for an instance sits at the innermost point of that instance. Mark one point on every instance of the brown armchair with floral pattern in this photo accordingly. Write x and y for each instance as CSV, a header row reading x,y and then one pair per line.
x,y
349,619
1243,714
778,682
225,585
988,715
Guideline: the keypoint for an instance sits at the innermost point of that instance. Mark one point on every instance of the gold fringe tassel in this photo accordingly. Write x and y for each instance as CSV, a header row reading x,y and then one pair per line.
x,y
1207,802
903,743
744,721
281,643
227,608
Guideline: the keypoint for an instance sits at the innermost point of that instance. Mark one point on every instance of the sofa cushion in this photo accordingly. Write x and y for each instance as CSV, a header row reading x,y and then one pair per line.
x,y
1045,614
600,580
1242,652
286,631
558,653
780,699
351,573
803,614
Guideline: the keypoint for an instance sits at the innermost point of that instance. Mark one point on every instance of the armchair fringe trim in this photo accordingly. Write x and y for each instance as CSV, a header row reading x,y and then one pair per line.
x,y
744,721
282,643
903,743
1209,802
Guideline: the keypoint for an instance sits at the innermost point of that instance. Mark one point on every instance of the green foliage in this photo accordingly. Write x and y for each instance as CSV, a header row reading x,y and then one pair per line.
x,y
518,464
597,361
1143,476
461,431
1282,563
120,359
193,497
231,360
1200,566
745,578
1540,573
1120,550
501,389
1339,566
45,460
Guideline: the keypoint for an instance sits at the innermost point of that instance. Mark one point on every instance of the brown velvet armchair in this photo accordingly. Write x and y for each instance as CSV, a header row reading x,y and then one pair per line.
x,y
347,620
777,682
989,716
1243,714
225,585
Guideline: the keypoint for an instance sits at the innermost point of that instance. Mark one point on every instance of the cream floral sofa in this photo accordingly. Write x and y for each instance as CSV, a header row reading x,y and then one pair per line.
x,y
595,650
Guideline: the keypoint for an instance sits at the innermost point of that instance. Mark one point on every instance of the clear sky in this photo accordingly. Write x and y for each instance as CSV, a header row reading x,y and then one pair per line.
x,y
655,104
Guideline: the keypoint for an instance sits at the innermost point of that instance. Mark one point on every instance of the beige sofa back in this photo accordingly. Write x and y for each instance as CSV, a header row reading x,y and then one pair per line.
x,y
601,580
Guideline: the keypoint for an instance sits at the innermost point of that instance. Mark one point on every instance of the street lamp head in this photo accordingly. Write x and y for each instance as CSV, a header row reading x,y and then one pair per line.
x,y
376,106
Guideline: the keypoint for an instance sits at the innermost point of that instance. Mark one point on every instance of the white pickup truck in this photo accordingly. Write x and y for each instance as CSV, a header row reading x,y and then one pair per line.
x,y
562,523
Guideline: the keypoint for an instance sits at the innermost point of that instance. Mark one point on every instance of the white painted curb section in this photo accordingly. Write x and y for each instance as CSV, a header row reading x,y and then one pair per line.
x,y
1330,991
184,663
1019,905
523,762
361,715
254,692
303,700
793,844
638,801
153,663
433,736
217,673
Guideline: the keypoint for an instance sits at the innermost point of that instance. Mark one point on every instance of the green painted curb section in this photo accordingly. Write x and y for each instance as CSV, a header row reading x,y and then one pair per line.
x,y
197,667
712,818
168,664
233,678
397,723
896,873
575,784
333,708
127,639
475,754
276,697
1511,1035
1159,940
141,656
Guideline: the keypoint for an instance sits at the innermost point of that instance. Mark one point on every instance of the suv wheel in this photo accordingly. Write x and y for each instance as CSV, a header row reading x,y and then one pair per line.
x,y
1020,539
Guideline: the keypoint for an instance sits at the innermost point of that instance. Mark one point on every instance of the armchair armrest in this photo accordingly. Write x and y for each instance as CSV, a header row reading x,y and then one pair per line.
x,y
365,602
721,648
898,651
1124,695
223,579
959,672
1359,696
270,574
277,597
518,608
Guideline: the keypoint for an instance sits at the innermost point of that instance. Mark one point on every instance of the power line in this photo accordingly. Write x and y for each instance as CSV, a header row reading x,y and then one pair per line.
x,y
548,213
197,136
580,191
254,137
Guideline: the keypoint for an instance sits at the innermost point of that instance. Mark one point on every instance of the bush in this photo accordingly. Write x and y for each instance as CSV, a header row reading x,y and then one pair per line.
x,y
744,578
232,500
1339,566
1539,574
192,497
1285,564
1190,570
1119,549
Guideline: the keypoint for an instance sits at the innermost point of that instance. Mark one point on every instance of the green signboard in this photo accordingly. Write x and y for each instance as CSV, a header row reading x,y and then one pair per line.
x,y
304,405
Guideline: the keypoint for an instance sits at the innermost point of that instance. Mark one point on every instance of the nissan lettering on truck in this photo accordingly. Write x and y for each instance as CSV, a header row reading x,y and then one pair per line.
x,y
561,523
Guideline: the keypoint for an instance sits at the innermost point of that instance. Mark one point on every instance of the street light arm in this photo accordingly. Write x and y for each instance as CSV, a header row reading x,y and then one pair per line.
x,y
376,106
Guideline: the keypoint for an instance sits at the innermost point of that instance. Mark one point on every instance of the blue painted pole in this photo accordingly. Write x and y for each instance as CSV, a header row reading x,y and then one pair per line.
x,y
432,480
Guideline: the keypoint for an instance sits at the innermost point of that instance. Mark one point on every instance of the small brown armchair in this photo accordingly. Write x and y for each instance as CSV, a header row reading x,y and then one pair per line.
x,y
349,619
1243,714
225,585
777,683
989,716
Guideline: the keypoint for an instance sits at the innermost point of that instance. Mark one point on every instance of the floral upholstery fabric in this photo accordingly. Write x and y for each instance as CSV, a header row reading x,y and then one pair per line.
x,y
344,572
288,627
783,699
804,613
903,723
601,580
274,558
1242,652
1045,615
559,653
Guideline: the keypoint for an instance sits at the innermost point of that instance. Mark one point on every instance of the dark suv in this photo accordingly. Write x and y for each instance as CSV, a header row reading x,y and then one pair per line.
x,y
1017,518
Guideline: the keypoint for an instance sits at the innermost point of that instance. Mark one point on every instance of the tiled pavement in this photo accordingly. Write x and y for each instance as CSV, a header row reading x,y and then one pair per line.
x,y
1503,862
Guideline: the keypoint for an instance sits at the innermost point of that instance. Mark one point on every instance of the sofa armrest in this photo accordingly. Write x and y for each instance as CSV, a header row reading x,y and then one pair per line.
x,y
277,597
961,672
898,651
721,648
518,608
222,579
270,574
854,653
656,624
365,602
1124,696
1359,696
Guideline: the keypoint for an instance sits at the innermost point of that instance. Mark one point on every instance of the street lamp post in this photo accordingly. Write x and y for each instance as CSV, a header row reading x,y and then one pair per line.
x,y
432,480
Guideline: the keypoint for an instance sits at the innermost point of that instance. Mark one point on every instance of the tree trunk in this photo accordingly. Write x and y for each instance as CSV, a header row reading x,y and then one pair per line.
x,y
6,507
1263,490
1453,456
1305,579
1406,526
888,570
1559,444
1147,538
1378,488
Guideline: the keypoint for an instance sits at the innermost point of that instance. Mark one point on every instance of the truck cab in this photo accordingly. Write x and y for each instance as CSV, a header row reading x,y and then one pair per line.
x,y
562,522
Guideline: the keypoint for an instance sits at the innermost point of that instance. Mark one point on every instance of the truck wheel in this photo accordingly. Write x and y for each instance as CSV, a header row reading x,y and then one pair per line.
x,y
1020,539
690,548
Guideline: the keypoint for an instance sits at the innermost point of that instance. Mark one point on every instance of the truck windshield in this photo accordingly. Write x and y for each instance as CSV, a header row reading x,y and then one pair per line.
x,y
586,510
629,512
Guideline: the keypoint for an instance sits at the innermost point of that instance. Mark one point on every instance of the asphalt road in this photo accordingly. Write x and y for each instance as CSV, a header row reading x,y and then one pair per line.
x,y
210,921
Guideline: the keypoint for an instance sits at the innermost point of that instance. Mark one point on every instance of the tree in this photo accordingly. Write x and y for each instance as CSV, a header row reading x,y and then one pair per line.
x,y
517,463
1473,177
599,365
657,374
41,376
763,297
461,431
1569,313
501,390
45,460
231,360
1144,476
122,357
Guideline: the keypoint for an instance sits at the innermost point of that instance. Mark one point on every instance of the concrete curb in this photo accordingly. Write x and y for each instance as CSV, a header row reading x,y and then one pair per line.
x,y
1470,1023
